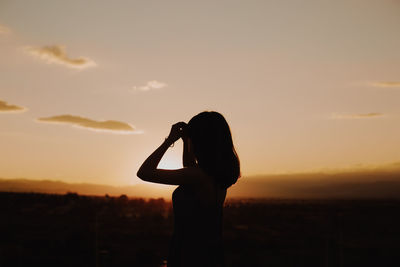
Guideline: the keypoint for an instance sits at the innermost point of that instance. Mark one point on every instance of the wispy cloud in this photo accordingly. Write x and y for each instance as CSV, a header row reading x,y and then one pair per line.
x,y
4,29
5,107
357,116
387,84
109,125
150,85
57,54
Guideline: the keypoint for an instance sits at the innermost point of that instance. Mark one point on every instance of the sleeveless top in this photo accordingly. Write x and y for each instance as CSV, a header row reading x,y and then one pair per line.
x,y
197,236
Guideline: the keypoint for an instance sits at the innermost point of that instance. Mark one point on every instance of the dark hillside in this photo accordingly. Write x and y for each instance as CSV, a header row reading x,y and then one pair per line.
x,y
75,230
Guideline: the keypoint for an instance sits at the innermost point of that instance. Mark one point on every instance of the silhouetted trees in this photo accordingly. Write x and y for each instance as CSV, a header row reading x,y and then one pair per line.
x,y
76,230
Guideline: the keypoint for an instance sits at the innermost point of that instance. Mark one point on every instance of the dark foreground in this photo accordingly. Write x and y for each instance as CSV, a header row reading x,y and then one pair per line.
x,y
73,230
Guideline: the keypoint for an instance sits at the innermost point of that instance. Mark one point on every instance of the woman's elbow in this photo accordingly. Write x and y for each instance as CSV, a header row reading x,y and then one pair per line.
x,y
142,175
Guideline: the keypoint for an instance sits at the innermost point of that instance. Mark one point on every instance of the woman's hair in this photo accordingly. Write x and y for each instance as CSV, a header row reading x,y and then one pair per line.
x,y
213,147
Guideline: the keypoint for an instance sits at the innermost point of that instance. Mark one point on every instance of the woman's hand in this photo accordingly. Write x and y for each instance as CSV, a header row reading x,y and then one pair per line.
x,y
177,131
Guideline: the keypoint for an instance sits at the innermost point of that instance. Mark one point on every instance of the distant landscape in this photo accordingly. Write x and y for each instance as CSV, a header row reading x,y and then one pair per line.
x,y
379,183
77,230
309,219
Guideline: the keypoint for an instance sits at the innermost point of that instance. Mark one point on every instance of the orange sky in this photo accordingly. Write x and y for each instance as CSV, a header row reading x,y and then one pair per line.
x,y
89,89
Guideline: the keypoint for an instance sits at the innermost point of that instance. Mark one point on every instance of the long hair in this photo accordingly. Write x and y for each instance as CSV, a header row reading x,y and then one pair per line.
x,y
213,147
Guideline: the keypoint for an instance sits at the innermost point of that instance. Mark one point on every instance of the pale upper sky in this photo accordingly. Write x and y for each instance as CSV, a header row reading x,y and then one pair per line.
x,y
88,89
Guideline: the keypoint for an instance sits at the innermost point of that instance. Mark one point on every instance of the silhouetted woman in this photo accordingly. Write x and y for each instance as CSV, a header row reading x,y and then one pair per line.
x,y
210,166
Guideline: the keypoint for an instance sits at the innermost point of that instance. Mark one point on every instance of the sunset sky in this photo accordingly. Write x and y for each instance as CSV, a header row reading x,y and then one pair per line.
x,y
88,89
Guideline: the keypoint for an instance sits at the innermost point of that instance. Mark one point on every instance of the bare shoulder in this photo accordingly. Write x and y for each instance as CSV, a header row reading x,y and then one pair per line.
x,y
206,184
198,175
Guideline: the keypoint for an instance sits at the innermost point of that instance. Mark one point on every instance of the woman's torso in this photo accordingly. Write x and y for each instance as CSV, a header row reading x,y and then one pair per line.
x,y
197,237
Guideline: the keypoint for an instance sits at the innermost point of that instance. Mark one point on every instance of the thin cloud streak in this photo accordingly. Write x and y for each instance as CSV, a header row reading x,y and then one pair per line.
x,y
387,84
357,116
9,108
4,29
81,122
150,85
57,54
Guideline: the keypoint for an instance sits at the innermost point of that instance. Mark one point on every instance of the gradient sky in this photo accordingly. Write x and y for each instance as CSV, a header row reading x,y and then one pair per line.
x,y
88,89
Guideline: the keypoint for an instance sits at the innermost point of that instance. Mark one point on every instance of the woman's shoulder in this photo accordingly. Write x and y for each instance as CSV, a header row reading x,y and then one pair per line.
x,y
198,175
207,187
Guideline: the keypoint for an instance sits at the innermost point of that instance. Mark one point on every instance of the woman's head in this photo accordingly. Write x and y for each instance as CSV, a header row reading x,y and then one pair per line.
x,y
213,147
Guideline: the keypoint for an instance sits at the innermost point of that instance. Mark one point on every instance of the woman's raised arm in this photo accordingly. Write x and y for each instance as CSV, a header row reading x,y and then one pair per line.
x,y
149,172
188,158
